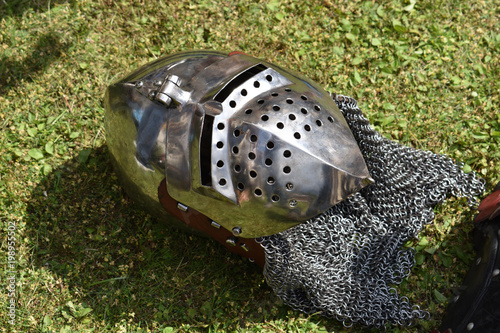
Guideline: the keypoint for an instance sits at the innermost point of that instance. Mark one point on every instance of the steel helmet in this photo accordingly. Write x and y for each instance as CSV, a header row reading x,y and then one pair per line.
x,y
243,150
255,148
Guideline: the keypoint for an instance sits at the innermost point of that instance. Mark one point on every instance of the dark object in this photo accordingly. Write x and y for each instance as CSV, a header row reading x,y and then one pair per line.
x,y
475,307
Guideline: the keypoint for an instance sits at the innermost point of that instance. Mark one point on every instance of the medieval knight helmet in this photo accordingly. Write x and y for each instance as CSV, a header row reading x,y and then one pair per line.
x,y
255,148
243,150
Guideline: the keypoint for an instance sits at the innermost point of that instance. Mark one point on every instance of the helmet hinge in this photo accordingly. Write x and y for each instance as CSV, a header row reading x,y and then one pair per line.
x,y
170,91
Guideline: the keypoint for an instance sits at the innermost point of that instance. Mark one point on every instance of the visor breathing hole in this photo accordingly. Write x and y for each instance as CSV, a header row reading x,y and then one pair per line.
x,y
275,198
271,180
258,192
269,78
319,122
241,186
280,125
291,117
303,110
274,94
317,108
304,98
264,117
237,168
288,89
330,119
248,111
220,126
296,135
260,101
289,186
287,153
253,174
256,84
220,164
251,156
269,161
289,101
292,203
222,182
237,132
236,150
220,144
307,127
287,169
232,104
253,138
276,108
244,92
270,145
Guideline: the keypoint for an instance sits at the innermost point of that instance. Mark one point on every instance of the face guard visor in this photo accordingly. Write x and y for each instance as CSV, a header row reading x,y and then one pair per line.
x,y
256,148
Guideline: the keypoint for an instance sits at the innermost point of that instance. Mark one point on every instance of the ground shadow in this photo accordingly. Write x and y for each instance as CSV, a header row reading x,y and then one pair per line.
x,y
120,260
48,48
19,7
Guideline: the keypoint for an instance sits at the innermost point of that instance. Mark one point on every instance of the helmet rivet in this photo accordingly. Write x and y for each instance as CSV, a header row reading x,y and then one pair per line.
x,y
139,84
236,231
232,241
182,207
215,225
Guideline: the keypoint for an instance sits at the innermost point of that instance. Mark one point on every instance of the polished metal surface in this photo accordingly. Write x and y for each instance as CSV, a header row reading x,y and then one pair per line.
x,y
254,147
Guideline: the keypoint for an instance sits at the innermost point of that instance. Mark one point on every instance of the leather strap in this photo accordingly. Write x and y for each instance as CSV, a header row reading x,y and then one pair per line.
x,y
246,247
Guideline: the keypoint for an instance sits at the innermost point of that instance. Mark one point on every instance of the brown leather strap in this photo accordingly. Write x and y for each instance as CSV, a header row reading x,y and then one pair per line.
x,y
237,52
489,208
246,247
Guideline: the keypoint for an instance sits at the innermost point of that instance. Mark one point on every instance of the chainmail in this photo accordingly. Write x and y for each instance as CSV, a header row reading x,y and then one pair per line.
x,y
343,262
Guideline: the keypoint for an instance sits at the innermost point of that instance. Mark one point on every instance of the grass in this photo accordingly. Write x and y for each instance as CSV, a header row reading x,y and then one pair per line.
x,y
425,73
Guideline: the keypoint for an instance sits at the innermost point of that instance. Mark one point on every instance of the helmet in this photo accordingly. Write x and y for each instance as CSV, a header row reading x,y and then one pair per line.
x,y
242,150
255,148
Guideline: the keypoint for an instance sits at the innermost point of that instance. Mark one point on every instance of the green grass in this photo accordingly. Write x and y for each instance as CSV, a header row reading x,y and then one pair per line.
x,y
425,73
